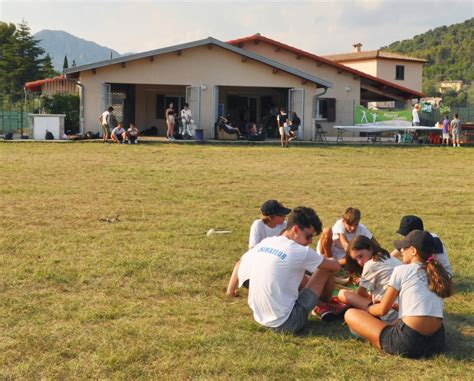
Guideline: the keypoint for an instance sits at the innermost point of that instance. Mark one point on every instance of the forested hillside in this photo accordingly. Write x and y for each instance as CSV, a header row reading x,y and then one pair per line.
x,y
449,51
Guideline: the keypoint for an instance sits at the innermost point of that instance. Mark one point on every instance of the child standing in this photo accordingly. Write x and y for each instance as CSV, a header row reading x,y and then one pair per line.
x,y
421,284
271,223
377,267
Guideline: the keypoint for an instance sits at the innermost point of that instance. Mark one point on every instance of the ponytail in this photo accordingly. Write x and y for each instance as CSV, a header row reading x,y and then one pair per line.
x,y
439,280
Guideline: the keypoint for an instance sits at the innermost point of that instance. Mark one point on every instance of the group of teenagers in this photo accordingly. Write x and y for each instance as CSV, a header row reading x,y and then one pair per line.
x,y
115,130
393,300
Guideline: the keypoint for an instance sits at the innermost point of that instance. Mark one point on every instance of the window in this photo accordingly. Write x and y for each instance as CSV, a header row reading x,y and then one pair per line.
x,y
324,109
400,72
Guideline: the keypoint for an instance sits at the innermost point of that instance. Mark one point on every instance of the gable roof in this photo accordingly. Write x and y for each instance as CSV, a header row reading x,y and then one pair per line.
x,y
207,41
373,80
372,54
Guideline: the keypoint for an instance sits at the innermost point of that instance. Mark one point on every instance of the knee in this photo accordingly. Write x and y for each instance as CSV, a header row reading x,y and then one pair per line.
x,y
342,295
351,316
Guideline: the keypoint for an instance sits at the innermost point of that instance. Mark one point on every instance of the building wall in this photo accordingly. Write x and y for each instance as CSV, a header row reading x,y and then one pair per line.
x,y
202,65
386,68
366,66
346,88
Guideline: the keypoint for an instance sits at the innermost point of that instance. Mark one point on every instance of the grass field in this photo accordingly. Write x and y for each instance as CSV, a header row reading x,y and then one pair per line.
x,y
144,297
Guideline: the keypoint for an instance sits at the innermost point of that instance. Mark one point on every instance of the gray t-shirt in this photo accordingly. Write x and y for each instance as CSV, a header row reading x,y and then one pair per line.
x,y
456,125
375,278
415,297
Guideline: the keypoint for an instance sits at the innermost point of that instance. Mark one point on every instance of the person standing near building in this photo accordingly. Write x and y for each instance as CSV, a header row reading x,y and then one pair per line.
x,y
186,121
105,120
456,130
416,117
445,131
283,128
169,115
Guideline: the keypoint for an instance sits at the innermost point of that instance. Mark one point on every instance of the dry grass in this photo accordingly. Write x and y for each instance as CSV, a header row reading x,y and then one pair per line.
x,y
144,297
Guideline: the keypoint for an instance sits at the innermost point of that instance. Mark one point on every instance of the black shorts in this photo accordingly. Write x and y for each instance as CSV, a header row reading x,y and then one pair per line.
x,y
305,303
405,341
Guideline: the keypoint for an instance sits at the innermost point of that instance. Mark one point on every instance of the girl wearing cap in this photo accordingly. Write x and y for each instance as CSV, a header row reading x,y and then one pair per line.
x,y
421,284
365,256
409,223
270,224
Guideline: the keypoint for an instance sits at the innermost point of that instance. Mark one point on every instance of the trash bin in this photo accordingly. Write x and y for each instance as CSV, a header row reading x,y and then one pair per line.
x,y
199,135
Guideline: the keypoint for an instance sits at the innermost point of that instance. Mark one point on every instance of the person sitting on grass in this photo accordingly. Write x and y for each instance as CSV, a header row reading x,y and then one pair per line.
x,y
334,242
420,284
409,223
118,134
377,267
270,224
280,295
132,134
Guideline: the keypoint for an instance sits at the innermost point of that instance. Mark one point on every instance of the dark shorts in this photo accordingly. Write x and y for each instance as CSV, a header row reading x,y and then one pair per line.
x,y
405,341
305,303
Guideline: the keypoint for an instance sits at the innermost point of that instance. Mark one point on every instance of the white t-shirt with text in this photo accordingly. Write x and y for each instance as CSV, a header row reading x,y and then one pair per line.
x,y
275,269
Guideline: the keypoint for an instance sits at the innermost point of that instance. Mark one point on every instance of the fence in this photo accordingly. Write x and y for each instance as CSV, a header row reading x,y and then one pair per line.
x,y
466,113
13,121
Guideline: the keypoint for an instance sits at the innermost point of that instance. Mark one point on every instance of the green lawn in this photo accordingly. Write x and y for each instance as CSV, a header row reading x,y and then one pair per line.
x,y
144,297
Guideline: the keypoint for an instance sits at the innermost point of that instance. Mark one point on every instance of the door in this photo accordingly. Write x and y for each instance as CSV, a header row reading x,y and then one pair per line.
x,y
193,98
296,104
106,96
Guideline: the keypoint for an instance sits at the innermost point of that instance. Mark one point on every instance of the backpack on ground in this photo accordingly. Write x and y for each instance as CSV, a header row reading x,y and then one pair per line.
x,y
49,135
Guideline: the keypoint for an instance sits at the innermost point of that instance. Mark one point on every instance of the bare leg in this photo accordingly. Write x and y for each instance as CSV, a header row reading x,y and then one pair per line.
x,y
357,301
326,242
321,283
233,281
365,325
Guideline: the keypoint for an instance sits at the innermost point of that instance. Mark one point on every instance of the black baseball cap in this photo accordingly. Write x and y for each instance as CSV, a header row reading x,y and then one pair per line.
x,y
274,208
409,223
421,240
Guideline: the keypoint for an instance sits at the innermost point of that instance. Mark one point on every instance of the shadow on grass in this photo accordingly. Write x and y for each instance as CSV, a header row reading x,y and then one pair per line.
x,y
459,336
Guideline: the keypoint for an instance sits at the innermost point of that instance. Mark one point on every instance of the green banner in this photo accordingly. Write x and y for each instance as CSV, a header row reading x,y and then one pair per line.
x,y
366,116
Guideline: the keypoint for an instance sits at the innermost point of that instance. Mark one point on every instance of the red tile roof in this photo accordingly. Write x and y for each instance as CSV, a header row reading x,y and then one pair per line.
x,y
258,37
37,85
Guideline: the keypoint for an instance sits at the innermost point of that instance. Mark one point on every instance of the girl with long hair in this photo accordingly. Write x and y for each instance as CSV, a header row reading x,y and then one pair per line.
x,y
420,284
374,265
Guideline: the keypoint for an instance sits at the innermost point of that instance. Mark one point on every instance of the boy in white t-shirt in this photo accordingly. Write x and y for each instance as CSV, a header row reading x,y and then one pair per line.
x,y
334,242
272,223
276,270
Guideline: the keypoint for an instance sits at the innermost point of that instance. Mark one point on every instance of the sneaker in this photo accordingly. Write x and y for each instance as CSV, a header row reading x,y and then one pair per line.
x,y
331,310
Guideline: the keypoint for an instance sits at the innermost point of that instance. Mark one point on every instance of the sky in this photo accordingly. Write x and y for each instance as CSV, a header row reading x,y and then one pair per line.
x,y
318,26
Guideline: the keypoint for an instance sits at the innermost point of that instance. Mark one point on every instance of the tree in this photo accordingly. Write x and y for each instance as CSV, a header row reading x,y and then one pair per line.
x,y
65,63
7,40
21,62
47,67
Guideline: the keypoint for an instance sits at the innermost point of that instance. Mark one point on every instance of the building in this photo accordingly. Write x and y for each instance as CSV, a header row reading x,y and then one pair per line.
x,y
245,78
394,67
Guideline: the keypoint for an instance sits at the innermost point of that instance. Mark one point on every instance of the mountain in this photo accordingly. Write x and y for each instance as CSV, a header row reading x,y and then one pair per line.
x,y
448,49
59,43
